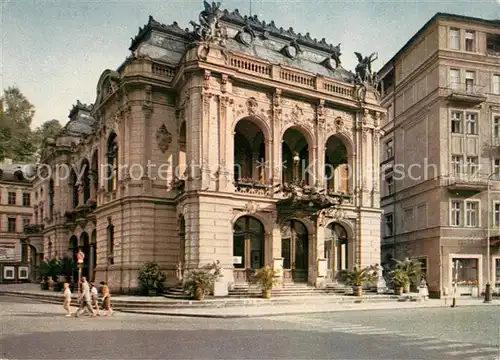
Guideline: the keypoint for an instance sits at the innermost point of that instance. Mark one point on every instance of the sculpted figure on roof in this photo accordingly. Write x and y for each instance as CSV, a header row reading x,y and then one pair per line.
x,y
209,29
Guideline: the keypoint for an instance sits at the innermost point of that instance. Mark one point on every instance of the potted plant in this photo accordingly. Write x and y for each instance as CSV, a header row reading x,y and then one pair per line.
x,y
68,268
151,278
45,273
357,277
266,279
220,286
400,280
54,272
198,283
412,269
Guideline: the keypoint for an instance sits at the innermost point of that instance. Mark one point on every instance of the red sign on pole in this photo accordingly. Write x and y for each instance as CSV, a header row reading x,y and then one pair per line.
x,y
79,257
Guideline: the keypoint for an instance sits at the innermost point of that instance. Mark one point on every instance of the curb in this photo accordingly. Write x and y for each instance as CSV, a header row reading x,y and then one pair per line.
x,y
287,313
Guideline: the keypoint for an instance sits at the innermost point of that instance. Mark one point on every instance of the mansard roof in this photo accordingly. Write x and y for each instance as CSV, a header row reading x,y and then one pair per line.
x,y
81,122
19,173
168,43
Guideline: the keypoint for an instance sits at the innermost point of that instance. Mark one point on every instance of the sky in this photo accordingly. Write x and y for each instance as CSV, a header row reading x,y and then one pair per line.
x,y
55,51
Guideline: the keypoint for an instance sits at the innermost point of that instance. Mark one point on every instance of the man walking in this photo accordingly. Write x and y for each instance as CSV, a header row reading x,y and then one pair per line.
x,y
85,302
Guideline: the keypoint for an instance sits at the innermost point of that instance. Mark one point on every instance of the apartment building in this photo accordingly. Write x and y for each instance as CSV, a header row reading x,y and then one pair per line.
x,y
441,152
17,253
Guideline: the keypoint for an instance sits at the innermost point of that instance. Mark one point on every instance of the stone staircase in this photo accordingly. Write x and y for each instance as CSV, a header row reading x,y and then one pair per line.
x,y
245,290
176,292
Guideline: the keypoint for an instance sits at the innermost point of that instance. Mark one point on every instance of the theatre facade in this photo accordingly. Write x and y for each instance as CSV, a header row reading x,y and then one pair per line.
x,y
237,142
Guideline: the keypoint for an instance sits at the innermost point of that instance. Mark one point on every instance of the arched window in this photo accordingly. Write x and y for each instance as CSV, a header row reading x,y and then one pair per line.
x,y
112,166
248,243
182,241
51,198
111,243
295,250
336,249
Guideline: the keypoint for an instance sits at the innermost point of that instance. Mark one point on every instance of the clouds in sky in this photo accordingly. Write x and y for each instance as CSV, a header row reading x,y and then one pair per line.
x,y
55,51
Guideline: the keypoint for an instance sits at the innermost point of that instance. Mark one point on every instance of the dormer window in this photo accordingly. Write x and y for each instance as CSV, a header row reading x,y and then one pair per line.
x,y
18,174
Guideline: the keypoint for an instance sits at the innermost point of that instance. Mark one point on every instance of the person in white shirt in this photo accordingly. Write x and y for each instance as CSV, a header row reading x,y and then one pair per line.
x,y
67,299
85,300
93,297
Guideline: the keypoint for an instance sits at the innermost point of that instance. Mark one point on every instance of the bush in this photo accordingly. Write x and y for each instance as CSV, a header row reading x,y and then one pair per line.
x,y
199,283
151,277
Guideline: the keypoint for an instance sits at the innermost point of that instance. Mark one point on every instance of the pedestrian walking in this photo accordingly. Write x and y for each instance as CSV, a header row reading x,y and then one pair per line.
x,y
106,298
67,299
85,300
93,298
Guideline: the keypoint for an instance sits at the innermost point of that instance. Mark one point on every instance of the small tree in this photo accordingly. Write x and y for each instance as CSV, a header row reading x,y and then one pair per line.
x,y
266,279
152,278
199,283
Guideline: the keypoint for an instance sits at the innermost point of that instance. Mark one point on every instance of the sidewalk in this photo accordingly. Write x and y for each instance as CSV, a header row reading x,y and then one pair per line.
x,y
305,308
244,307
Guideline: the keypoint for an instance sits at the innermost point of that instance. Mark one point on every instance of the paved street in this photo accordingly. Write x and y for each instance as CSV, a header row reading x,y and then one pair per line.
x,y
30,330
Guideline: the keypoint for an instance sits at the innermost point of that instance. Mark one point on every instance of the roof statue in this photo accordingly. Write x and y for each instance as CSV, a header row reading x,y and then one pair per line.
x,y
364,74
209,28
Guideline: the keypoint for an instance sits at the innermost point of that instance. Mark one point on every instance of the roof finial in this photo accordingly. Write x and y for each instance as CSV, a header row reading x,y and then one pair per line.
x,y
250,7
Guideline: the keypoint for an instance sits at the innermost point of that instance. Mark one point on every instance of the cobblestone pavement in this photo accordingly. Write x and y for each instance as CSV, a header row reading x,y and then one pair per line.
x,y
30,330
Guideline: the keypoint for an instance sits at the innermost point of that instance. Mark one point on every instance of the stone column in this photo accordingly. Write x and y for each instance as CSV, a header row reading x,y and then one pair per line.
x,y
269,161
320,145
321,262
276,169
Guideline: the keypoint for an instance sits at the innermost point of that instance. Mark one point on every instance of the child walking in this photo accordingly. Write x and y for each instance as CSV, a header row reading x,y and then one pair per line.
x,y
106,298
67,299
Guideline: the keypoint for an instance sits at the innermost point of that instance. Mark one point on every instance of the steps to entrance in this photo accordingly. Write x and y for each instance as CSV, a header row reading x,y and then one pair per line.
x,y
245,290
176,293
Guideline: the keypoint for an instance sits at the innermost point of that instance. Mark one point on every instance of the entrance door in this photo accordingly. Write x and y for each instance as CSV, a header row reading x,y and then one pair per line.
x,y
294,251
336,250
182,244
248,247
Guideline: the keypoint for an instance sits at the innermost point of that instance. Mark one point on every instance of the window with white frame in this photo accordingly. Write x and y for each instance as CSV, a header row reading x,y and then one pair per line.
x,y
472,213
456,122
496,127
388,225
496,84
464,213
470,41
471,123
469,81
389,150
496,214
456,213
454,79
472,166
457,164
390,185
454,39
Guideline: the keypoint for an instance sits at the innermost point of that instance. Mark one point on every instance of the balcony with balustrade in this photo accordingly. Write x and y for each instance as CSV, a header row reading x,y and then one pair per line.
x,y
467,92
470,182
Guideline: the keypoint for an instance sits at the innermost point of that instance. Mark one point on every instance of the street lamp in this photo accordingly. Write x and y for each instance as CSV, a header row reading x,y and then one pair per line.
x,y
296,160
487,291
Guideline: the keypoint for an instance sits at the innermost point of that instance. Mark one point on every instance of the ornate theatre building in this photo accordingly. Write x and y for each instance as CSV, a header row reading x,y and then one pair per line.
x,y
237,141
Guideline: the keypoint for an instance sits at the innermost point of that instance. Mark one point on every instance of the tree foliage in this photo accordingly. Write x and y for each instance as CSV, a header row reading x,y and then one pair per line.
x,y
17,140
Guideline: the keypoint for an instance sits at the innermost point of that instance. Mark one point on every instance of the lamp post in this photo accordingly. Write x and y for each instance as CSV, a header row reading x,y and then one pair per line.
x,y
79,260
487,291
296,161
456,266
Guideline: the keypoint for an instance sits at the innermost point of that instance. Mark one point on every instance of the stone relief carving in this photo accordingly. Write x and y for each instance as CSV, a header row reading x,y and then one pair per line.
x,y
251,207
252,106
223,83
164,138
297,113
